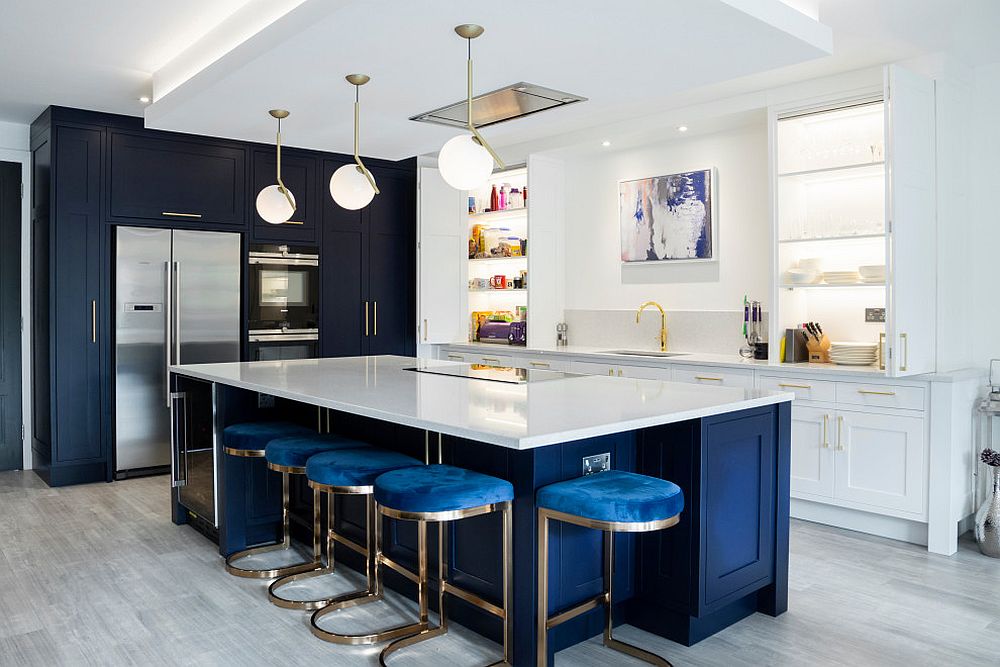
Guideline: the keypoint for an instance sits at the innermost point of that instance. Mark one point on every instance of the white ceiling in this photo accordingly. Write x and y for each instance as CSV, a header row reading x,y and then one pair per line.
x,y
625,57
633,58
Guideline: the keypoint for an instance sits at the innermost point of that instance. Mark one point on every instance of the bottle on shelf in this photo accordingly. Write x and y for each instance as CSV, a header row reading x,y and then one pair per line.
x,y
494,199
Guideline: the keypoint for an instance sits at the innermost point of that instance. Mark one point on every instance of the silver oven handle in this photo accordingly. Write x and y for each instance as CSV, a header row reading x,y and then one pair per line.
x,y
287,261
178,436
291,338
166,334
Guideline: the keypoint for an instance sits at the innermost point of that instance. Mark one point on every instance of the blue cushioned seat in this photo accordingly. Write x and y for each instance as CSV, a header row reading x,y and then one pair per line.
x,y
355,467
256,435
295,450
439,488
614,495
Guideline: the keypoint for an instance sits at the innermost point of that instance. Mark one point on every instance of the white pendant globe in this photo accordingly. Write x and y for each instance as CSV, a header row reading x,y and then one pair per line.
x,y
464,163
273,206
350,188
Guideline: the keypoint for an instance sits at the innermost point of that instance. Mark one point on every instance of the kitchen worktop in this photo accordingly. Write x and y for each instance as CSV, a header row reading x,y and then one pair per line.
x,y
603,355
513,416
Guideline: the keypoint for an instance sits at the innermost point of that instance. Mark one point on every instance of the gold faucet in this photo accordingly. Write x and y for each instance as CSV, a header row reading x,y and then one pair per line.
x,y
663,322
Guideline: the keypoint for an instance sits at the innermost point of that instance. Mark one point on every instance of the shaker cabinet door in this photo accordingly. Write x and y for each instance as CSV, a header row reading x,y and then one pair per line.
x,y
159,178
881,460
812,452
299,174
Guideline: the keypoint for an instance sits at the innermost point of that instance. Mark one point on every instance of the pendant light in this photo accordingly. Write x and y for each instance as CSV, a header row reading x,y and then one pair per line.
x,y
466,161
352,186
275,203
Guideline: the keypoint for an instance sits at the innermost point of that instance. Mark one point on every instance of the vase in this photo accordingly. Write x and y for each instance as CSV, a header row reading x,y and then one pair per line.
x,y
988,520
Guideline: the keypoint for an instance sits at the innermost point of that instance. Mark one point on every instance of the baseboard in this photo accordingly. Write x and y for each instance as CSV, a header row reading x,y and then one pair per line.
x,y
894,528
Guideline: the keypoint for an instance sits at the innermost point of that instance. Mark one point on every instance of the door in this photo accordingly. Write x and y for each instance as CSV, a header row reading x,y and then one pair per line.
x,y
881,460
161,178
298,173
812,453
391,268
142,416
11,452
206,308
910,202
443,248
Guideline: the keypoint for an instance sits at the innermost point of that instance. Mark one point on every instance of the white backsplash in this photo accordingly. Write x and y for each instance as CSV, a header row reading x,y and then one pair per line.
x,y
714,331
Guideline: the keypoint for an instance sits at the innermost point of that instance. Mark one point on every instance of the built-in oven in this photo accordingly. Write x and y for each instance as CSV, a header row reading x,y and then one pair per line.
x,y
284,288
269,345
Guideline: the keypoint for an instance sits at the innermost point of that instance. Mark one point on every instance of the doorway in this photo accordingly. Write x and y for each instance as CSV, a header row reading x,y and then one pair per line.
x,y
11,433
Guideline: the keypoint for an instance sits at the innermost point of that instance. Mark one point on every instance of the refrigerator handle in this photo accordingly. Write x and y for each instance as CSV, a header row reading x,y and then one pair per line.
x,y
178,439
177,312
167,315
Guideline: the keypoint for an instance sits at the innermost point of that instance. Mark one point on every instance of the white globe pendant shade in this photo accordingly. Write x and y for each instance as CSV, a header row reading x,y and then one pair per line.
x,y
350,188
464,163
273,206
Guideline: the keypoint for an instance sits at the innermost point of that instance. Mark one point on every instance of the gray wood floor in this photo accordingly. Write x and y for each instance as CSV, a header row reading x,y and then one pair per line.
x,y
97,575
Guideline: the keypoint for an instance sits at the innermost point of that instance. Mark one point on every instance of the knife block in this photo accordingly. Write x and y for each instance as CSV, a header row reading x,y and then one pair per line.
x,y
819,350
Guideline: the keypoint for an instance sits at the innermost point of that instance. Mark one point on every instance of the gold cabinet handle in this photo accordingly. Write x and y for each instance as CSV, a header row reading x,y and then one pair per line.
x,y
707,377
876,393
174,214
456,357
374,318
425,331
491,360
293,222
619,372
840,433
826,431
93,321
540,364
881,351
366,318
611,372
905,344
785,385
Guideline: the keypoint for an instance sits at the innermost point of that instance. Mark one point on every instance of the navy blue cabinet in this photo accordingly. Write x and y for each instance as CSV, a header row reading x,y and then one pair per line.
x,y
300,175
166,178
71,337
367,301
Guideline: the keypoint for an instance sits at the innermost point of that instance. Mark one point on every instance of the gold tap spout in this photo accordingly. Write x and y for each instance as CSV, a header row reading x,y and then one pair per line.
x,y
663,321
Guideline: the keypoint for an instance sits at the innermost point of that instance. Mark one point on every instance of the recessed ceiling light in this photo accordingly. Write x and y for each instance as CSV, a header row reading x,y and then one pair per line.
x,y
144,99
682,128
605,143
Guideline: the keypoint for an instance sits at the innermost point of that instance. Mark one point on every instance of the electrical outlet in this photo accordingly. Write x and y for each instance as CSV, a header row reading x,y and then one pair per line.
x,y
596,463
265,401
874,314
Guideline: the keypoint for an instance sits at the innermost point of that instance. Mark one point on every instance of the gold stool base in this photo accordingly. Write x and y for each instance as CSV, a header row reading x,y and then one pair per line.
x,y
306,605
249,573
356,600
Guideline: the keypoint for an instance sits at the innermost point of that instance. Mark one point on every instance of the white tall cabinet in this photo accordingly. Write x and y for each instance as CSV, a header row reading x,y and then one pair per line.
x,y
853,184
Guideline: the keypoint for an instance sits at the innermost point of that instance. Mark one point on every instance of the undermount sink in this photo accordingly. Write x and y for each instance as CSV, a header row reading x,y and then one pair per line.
x,y
644,353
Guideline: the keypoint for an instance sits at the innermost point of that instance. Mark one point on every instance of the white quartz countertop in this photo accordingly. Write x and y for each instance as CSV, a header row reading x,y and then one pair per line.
x,y
518,416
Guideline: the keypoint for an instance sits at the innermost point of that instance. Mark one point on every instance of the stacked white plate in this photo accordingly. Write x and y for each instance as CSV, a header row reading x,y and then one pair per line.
x,y
872,274
853,354
841,277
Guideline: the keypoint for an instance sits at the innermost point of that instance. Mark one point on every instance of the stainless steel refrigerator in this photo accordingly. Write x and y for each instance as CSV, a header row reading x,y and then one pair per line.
x,y
177,300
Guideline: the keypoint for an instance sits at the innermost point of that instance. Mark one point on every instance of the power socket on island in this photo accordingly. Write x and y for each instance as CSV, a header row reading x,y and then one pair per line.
x,y
596,463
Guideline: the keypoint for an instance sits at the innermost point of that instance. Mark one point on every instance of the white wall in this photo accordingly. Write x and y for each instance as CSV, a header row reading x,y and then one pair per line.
x,y
595,277
984,259
14,144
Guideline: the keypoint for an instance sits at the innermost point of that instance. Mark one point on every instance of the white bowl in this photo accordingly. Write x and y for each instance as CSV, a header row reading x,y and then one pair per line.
x,y
811,263
800,277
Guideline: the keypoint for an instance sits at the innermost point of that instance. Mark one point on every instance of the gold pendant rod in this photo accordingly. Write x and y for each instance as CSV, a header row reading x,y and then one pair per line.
x,y
357,157
478,138
281,184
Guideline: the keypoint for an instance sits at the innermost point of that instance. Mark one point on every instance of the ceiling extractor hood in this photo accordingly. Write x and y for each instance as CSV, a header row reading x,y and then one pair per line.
x,y
514,101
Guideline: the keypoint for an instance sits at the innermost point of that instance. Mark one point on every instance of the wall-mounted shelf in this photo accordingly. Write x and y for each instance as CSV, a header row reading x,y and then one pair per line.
x,y
493,289
499,215
862,169
498,259
847,237
829,286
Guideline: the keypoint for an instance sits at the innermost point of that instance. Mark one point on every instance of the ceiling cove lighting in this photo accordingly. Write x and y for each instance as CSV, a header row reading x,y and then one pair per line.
x,y
275,203
352,186
466,161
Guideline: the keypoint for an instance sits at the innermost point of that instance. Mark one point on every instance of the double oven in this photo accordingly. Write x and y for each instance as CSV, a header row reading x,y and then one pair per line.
x,y
284,302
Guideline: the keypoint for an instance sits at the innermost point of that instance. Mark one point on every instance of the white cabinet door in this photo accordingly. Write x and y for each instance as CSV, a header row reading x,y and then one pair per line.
x,y
590,368
812,451
910,202
881,460
443,249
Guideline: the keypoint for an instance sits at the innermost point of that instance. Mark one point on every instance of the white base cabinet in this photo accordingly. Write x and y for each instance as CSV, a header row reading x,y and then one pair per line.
x,y
812,453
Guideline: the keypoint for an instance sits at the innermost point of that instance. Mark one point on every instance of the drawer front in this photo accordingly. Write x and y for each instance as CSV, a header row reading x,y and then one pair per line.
x,y
713,376
172,180
804,389
880,395
492,359
543,364
591,368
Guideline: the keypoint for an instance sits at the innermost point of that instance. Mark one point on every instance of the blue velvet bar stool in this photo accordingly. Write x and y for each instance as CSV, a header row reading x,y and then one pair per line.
x,y
613,502
353,472
443,493
249,440
289,456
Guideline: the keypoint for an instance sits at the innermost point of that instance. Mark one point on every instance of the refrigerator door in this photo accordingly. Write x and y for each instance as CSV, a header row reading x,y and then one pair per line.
x,y
142,415
206,328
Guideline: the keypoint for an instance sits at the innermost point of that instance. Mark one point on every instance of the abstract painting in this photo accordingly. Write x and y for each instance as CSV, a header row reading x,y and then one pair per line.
x,y
668,217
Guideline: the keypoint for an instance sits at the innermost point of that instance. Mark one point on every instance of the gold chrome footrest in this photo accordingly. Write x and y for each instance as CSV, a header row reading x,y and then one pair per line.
x,y
423,635
636,652
354,600
306,605
248,573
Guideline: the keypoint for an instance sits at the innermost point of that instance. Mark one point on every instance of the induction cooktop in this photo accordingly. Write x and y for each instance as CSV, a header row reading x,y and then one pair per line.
x,y
505,374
